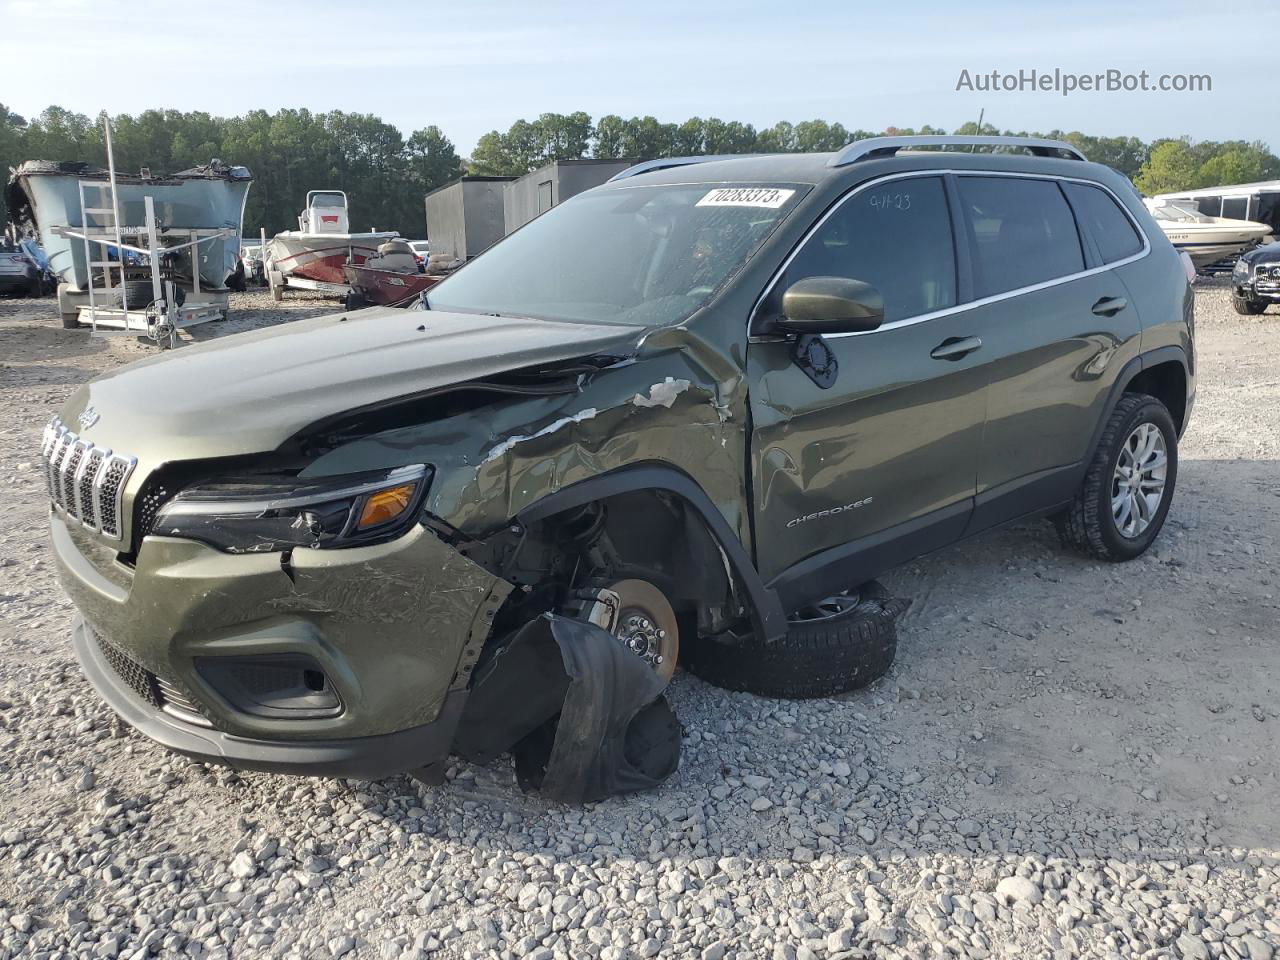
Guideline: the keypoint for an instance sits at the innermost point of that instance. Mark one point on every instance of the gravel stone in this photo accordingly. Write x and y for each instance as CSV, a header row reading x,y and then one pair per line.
x,y
1018,890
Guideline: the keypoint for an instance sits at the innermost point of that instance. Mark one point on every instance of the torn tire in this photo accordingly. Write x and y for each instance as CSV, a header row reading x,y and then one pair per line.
x,y
582,715
830,648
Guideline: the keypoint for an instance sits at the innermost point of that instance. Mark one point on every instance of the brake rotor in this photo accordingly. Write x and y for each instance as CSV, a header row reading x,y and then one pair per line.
x,y
646,625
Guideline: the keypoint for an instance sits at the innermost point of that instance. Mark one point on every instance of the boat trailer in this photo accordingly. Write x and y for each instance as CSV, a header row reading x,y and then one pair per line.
x,y
159,312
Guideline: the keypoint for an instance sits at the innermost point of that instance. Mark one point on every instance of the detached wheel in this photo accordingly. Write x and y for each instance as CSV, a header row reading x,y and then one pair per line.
x,y
839,644
1247,307
1122,504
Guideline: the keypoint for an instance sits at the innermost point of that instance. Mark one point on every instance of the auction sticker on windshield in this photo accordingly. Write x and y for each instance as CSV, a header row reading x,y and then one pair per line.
x,y
770,197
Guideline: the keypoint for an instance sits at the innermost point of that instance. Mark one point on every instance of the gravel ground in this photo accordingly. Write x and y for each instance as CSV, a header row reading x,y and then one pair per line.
x,y
1069,759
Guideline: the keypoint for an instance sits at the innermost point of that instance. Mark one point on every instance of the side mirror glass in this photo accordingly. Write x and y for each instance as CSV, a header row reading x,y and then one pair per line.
x,y
831,305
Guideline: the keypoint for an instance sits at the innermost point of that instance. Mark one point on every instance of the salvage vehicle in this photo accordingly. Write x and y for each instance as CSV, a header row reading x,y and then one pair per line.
x,y
1255,280
689,414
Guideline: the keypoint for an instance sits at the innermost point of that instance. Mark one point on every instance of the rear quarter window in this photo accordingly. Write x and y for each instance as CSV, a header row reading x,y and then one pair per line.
x,y
1022,232
1101,216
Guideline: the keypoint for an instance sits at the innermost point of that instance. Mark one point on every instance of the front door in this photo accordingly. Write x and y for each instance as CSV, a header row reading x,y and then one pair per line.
x,y
885,459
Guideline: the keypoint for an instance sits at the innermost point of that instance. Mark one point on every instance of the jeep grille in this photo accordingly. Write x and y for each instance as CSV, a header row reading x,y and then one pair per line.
x,y
85,482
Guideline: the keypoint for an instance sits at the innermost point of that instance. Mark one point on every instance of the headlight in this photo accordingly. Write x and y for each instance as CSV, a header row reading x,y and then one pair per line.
x,y
254,515
1241,269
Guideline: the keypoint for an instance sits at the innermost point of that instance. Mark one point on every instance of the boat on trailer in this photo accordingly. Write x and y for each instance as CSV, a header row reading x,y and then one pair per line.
x,y
393,278
94,222
1204,238
313,256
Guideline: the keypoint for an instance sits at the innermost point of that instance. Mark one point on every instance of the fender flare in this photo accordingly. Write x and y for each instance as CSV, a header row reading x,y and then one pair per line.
x,y
1142,361
770,618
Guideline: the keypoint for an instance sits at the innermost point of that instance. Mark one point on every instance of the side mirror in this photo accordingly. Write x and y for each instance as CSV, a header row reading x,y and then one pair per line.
x,y
831,305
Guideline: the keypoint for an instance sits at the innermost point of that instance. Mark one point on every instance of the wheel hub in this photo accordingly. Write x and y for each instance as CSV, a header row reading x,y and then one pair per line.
x,y
640,617
828,607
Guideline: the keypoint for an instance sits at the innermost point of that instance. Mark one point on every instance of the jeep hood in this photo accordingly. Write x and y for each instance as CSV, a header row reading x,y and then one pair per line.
x,y
250,392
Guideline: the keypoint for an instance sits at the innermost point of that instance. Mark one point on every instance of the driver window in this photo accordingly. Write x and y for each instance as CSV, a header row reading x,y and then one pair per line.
x,y
895,236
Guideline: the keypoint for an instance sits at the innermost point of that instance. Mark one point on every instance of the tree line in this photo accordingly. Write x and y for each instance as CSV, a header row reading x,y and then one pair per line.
x,y
289,152
386,174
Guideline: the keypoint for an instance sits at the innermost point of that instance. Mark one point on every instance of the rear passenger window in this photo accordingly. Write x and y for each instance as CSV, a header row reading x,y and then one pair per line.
x,y
896,237
1099,213
1023,232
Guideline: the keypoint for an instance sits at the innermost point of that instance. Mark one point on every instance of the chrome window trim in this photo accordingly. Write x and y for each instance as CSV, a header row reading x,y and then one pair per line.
x,y
971,304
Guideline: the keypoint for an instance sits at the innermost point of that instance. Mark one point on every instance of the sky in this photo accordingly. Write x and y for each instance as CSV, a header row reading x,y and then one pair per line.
x,y
473,66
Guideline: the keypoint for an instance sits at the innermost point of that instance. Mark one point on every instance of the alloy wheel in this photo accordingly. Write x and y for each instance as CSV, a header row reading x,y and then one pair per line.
x,y
1138,484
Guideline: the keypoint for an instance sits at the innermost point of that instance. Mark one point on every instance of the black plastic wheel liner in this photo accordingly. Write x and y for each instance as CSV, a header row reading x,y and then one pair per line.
x,y
584,717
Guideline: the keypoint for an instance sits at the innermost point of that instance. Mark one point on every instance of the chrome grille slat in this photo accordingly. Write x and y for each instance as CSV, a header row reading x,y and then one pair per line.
x,y
85,477
70,470
55,466
85,482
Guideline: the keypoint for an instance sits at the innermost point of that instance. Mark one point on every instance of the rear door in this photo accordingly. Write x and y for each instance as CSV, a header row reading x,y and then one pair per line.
x,y
1058,325
882,463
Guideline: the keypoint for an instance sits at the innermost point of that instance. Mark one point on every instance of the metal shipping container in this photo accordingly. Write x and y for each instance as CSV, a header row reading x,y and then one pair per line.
x,y
465,217
536,193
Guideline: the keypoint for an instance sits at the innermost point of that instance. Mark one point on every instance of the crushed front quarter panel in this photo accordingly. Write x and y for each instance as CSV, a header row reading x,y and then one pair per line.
x,y
509,452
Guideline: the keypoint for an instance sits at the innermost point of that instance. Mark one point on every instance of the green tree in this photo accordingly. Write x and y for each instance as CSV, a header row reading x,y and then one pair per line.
x,y
433,161
607,139
1171,166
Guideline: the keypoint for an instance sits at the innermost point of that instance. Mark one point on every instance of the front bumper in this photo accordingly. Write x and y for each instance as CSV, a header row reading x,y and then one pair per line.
x,y
364,758
1261,288
393,627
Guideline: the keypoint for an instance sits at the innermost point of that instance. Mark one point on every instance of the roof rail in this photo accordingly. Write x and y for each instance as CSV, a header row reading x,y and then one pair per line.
x,y
662,163
888,146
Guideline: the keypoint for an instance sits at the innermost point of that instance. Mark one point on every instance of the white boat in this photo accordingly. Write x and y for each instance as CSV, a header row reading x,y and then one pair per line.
x,y
323,244
1205,239
1258,201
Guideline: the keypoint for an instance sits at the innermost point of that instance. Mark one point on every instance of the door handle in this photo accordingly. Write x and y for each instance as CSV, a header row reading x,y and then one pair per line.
x,y
953,348
1110,306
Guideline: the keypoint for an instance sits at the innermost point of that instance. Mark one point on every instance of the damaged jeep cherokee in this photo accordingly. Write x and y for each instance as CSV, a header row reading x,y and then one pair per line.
x,y
688,415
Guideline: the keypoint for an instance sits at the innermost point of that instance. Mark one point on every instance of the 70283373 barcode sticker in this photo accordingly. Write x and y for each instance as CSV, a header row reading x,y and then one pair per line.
x,y
769,197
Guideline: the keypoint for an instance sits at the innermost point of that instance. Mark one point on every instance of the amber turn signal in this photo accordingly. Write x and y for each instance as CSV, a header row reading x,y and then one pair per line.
x,y
386,505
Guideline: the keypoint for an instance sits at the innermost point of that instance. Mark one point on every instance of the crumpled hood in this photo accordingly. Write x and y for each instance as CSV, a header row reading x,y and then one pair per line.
x,y
250,392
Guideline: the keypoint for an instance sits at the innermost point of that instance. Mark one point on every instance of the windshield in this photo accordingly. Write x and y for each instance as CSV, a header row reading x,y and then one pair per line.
x,y
641,255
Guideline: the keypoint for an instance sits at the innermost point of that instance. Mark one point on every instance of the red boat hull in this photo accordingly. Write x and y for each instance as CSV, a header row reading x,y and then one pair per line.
x,y
385,287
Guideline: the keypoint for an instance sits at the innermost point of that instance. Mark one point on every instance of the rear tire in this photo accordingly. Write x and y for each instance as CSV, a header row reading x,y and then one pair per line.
x,y
71,321
819,657
1098,522
1247,307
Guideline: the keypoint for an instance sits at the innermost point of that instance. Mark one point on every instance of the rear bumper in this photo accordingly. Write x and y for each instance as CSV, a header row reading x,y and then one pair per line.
x,y
366,758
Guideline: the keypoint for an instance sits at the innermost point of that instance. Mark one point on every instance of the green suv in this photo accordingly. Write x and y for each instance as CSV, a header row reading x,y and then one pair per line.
x,y
699,407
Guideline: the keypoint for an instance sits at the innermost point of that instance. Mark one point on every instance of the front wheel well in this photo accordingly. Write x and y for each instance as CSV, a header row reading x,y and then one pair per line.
x,y
1167,382
654,535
